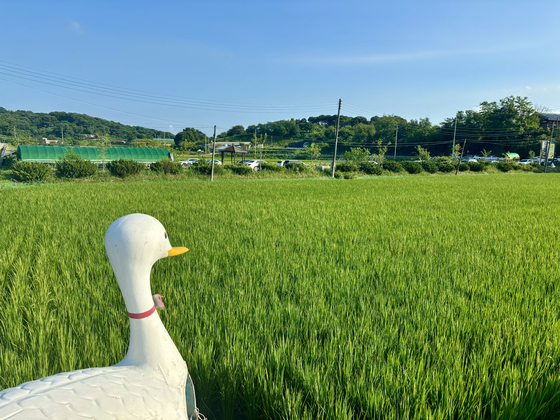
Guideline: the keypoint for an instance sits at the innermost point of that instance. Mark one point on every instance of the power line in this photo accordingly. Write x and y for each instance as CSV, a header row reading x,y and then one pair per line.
x,y
65,82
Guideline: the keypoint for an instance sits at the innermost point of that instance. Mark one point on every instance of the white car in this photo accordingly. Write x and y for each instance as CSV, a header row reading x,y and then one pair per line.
x,y
526,161
285,162
253,164
192,161
188,162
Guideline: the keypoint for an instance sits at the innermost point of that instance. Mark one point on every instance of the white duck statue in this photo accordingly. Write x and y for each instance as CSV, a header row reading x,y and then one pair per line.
x,y
152,381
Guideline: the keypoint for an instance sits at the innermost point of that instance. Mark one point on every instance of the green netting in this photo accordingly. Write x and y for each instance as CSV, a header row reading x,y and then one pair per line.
x,y
53,153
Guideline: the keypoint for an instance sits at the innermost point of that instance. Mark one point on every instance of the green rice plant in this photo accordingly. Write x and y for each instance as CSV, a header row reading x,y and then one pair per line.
x,y
380,298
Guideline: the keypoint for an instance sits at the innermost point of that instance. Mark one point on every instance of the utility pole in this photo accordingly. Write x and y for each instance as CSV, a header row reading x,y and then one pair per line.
x,y
336,137
62,141
454,133
548,148
396,138
461,158
213,155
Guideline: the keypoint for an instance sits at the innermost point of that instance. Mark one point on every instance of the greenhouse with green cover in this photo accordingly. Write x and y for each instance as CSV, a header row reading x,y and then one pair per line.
x,y
51,154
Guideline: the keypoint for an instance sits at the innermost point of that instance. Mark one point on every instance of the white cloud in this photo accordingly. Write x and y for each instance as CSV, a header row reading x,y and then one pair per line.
x,y
76,27
365,59
528,87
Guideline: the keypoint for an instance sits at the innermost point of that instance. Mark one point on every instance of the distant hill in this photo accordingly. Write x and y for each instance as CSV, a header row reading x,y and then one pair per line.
x,y
26,127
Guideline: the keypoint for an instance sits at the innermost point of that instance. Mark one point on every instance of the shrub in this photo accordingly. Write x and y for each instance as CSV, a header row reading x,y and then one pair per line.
x,y
345,175
272,167
356,155
476,166
392,166
31,171
463,167
125,167
445,167
240,169
412,167
504,166
295,167
204,167
526,168
371,168
73,166
166,166
430,167
346,167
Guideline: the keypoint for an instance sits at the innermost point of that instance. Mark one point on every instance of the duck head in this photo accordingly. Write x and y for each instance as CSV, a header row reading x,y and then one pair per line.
x,y
134,243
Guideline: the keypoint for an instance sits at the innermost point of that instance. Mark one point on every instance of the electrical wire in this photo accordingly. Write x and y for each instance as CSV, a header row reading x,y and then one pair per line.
x,y
65,82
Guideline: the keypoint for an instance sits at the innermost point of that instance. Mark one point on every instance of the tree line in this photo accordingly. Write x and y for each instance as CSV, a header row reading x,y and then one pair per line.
x,y
25,127
511,124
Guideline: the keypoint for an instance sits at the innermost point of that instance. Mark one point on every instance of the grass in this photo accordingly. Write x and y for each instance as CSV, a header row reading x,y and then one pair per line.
x,y
394,297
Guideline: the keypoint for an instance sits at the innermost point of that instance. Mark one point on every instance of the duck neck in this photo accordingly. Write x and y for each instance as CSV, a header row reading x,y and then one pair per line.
x,y
151,347
150,344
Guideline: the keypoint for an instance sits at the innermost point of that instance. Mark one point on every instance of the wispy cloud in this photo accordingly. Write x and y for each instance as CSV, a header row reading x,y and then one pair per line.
x,y
368,59
363,59
76,27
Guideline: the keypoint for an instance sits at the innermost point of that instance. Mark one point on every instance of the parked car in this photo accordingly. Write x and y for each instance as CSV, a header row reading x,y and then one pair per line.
x,y
285,162
188,162
254,164
526,161
550,163
192,161
469,160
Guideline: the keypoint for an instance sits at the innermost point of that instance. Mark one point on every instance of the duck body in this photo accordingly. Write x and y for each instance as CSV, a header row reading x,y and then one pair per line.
x,y
110,393
152,381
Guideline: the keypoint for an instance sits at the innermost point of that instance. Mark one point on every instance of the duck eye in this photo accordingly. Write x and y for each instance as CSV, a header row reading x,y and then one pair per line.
x,y
165,235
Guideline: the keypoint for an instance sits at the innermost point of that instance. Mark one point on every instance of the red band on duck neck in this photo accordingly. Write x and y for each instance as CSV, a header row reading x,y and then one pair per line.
x,y
143,314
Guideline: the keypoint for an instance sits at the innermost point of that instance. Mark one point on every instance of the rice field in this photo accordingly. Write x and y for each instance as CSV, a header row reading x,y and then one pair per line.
x,y
382,298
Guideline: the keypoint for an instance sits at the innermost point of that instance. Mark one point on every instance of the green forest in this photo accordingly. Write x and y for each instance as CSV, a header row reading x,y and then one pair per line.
x,y
26,127
512,124
509,125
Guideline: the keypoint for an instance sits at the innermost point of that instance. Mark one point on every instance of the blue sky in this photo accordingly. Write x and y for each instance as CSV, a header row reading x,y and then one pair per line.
x,y
205,63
